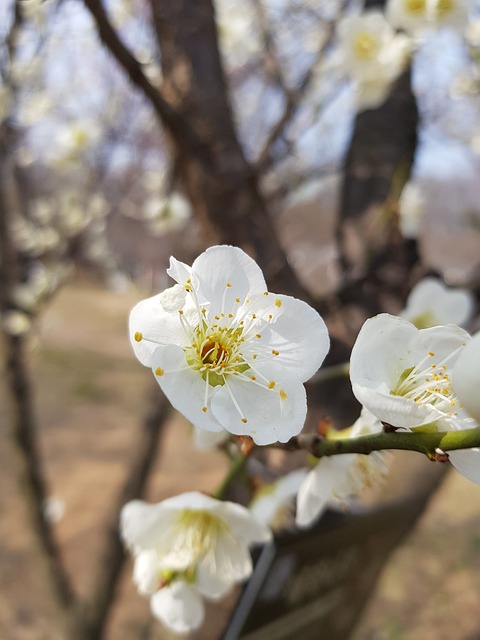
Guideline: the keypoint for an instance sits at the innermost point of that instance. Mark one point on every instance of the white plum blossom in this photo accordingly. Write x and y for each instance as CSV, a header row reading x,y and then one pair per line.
x,y
432,303
416,17
372,54
187,547
227,353
334,480
273,503
403,375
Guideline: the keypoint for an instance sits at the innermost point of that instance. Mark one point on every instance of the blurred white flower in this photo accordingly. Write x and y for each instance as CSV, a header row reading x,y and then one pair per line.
x,y
273,504
403,375
227,353
15,323
418,16
334,480
74,139
169,213
466,377
411,210
372,54
53,509
432,303
192,546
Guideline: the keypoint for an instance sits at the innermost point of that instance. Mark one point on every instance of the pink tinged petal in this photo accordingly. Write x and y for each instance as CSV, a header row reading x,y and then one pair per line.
x,y
150,326
266,415
179,607
299,335
184,387
467,462
224,264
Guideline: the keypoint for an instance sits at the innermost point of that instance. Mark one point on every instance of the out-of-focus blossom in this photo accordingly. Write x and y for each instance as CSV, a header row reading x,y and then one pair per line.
x,y
208,439
273,504
432,303
335,480
418,16
187,547
372,54
403,375
411,210
237,30
226,352
53,509
170,213
15,323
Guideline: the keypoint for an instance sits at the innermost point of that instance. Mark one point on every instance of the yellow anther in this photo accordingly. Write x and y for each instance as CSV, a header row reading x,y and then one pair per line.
x,y
254,356
278,303
228,284
204,311
244,420
283,395
253,378
258,335
159,371
230,315
237,299
270,316
266,293
254,315
204,409
138,336
188,280
271,384
188,287
430,353
275,353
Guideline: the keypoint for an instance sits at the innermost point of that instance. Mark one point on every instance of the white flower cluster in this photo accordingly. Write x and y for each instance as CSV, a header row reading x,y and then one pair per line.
x,y
233,357
186,548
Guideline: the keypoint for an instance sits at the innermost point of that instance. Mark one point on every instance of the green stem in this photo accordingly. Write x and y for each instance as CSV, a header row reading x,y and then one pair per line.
x,y
236,467
426,443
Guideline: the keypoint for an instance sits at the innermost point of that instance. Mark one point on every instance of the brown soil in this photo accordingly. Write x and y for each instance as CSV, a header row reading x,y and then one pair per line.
x,y
90,399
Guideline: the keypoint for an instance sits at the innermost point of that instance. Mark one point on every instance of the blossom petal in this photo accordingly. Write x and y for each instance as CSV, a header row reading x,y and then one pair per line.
x,y
267,415
242,524
466,377
184,387
297,333
145,526
179,606
179,271
220,265
145,572
228,563
467,462
150,326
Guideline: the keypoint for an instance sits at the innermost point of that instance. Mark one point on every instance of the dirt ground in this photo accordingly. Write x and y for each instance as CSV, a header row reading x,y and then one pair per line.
x,y
90,398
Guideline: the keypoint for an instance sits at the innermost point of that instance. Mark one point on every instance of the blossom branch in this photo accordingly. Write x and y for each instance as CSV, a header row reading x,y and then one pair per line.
x,y
430,444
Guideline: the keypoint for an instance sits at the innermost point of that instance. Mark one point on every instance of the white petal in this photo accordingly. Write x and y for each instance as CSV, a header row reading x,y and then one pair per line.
x,y
179,606
298,333
173,298
145,572
211,586
228,563
467,462
328,480
156,327
466,377
270,501
179,271
184,387
242,524
221,265
272,415
145,526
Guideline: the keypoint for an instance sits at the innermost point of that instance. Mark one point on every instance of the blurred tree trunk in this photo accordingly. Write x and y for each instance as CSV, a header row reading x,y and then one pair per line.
x,y
220,182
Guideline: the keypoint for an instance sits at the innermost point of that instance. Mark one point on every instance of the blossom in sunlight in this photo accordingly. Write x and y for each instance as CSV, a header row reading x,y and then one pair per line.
x,y
417,16
226,352
372,54
334,480
432,303
411,210
403,375
188,547
273,504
